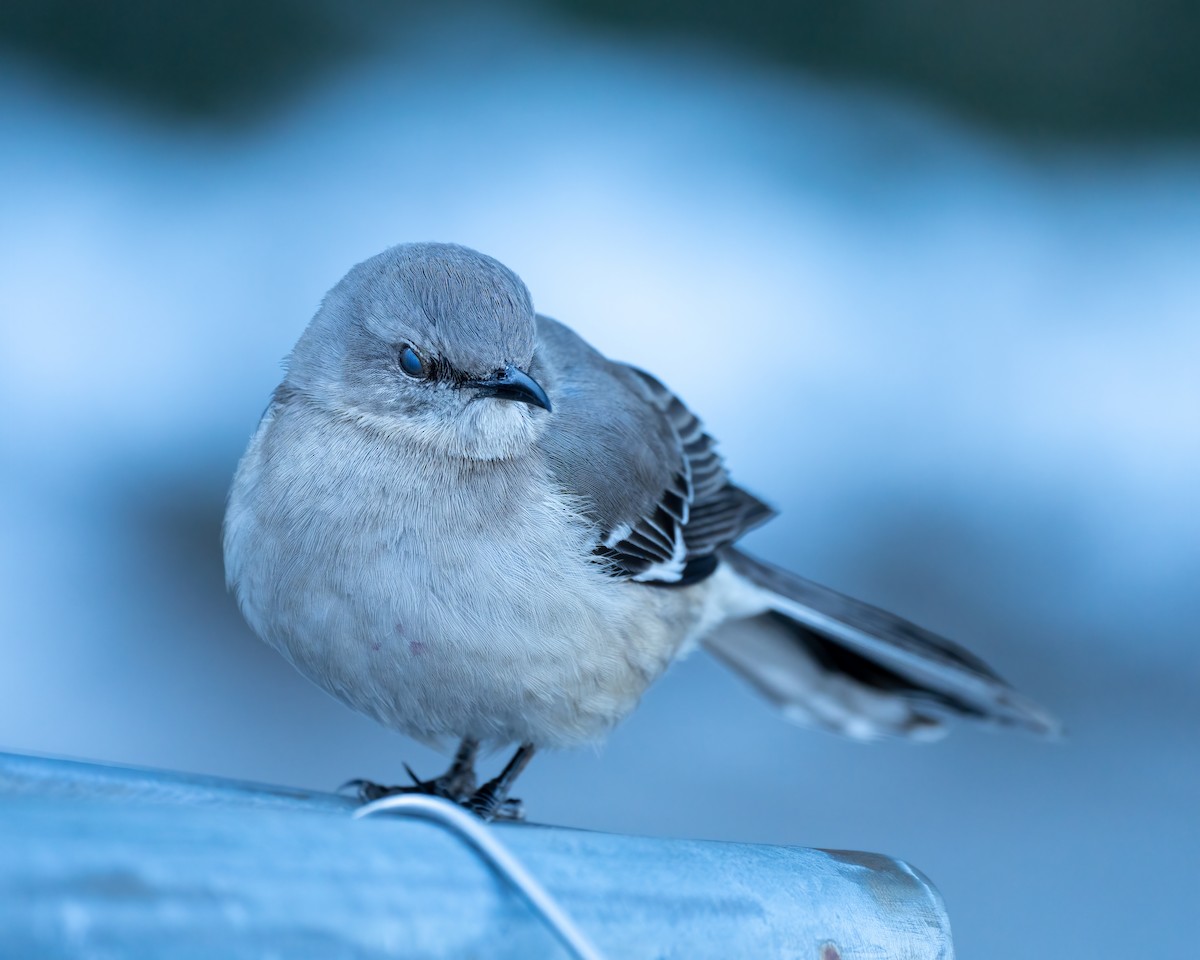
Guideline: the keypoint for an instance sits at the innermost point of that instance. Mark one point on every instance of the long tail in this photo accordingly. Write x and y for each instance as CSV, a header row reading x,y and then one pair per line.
x,y
834,662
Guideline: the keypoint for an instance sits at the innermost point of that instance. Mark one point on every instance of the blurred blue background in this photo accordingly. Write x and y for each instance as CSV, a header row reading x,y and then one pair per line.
x,y
950,255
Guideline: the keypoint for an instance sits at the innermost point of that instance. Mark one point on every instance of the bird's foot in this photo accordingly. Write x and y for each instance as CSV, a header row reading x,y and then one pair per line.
x,y
489,802
458,786
483,803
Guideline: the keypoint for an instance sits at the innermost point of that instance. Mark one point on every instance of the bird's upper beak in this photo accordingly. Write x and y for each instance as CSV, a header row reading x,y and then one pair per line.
x,y
513,384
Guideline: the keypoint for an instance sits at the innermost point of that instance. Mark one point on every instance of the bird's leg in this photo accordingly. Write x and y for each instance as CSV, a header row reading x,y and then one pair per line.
x,y
491,801
457,783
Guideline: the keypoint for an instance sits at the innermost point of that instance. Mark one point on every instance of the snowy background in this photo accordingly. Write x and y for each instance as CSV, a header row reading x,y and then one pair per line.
x,y
965,369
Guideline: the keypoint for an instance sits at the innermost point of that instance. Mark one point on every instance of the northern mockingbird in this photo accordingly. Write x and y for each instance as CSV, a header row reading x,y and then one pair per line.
x,y
460,519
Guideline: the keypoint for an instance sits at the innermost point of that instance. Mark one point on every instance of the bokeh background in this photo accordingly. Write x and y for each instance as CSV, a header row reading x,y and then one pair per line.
x,y
930,270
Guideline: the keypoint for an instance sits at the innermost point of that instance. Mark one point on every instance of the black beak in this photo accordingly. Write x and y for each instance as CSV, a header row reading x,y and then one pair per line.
x,y
514,384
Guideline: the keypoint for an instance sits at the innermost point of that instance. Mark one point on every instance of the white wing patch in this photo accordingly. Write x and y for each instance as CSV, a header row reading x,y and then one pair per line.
x,y
654,549
671,569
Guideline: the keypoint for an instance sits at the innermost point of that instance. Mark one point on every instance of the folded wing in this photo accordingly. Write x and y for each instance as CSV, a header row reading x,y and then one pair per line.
x,y
651,477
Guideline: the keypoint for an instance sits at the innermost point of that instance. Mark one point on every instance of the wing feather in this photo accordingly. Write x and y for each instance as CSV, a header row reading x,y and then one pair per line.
x,y
705,510
641,462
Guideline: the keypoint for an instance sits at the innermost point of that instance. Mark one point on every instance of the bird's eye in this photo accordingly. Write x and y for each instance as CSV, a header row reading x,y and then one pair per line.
x,y
412,364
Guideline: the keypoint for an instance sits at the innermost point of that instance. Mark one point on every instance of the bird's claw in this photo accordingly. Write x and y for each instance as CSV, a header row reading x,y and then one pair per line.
x,y
365,791
511,810
417,781
489,806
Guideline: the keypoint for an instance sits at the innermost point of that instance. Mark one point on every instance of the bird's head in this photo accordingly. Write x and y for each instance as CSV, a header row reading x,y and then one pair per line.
x,y
432,342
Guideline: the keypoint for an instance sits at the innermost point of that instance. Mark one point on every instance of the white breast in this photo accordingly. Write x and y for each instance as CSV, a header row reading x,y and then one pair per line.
x,y
441,600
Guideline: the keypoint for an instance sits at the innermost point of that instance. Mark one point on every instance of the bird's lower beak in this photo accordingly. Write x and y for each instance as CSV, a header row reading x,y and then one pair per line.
x,y
513,384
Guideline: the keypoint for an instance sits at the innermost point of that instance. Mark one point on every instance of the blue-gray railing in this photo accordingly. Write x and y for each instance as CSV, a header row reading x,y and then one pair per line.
x,y
102,861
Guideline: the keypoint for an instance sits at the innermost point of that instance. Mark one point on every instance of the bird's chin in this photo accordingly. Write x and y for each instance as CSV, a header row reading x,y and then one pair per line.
x,y
486,428
483,429
495,429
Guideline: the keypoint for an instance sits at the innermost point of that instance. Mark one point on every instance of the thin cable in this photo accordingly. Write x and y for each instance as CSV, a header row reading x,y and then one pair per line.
x,y
477,835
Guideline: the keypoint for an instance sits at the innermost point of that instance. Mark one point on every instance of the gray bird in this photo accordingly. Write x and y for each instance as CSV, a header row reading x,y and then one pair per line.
x,y
460,519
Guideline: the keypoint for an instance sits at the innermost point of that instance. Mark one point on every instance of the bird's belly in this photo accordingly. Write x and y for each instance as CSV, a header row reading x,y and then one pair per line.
x,y
486,634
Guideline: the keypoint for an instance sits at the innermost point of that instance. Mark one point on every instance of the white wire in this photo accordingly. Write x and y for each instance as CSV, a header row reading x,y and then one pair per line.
x,y
475,832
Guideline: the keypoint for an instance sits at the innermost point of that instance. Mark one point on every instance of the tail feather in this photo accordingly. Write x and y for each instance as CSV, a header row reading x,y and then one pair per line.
x,y
782,659
883,654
